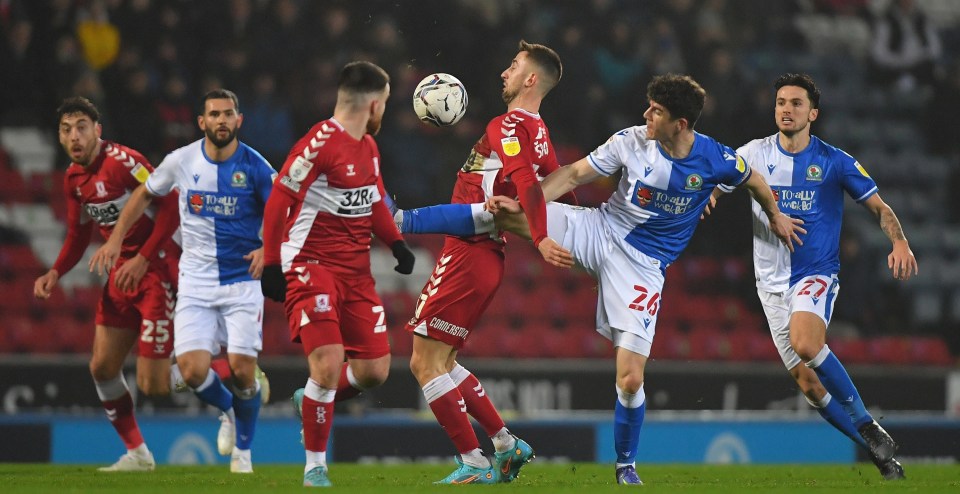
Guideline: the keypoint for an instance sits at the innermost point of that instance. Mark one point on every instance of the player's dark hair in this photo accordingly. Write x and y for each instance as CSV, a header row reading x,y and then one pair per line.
x,y
78,104
363,77
219,94
546,59
800,80
682,96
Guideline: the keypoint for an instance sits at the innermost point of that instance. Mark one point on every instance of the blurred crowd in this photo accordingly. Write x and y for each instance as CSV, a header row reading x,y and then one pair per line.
x,y
146,62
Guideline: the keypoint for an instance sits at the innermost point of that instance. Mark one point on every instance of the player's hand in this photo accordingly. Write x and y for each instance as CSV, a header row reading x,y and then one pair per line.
x,y
128,275
43,287
787,229
273,283
256,263
553,253
902,262
404,256
711,204
503,204
105,257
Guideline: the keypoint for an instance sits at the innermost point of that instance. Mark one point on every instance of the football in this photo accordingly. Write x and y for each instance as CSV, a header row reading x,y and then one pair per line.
x,y
440,99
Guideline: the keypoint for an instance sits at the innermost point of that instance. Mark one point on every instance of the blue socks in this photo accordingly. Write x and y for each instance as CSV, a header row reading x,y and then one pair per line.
x,y
449,219
213,392
627,421
834,413
246,410
835,378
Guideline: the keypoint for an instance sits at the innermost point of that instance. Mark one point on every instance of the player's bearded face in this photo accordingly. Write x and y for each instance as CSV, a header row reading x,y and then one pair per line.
x,y
376,117
79,137
220,122
513,78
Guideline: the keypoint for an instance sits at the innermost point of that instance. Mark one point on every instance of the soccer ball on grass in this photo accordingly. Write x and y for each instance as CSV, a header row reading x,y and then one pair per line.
x,y
440,99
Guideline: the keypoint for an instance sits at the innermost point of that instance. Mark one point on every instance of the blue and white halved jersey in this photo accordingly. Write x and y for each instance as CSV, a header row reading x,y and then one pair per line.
x,y
221,210
658,202
808,185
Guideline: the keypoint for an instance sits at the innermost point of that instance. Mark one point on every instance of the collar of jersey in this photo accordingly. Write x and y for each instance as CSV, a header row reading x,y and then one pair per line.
x,y
233,157
799,153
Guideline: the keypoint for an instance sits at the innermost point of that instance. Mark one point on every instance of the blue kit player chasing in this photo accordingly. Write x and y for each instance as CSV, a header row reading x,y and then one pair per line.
x,y
798,289
668,172
223,185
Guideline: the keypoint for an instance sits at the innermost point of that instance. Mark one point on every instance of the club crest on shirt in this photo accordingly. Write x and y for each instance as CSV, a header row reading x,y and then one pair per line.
x,y
196,202
322,303
694,182
644,196
300,168
239,179
815,173
510,145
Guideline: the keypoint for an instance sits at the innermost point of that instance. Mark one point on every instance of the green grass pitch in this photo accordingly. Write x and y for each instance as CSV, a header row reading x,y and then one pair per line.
x,y
536,478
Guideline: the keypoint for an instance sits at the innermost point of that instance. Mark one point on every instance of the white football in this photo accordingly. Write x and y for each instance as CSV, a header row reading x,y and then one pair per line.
x,y
440,99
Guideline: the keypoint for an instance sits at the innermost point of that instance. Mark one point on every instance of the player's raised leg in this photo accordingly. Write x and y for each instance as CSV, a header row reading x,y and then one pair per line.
x,y
110,348
429,363
511,453
449,219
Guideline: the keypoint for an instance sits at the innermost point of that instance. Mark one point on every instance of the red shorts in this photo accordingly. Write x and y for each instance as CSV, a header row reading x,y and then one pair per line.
x,y
325,308
149,309
461,287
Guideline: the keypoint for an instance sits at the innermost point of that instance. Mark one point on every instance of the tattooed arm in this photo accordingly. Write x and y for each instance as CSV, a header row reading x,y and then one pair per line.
x,y
901,260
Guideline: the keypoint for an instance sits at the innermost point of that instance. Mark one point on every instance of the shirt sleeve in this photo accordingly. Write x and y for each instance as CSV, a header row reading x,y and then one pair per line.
x,y
514,144
855,179
608,158
383,225
79,229
164,177
733,171
302,166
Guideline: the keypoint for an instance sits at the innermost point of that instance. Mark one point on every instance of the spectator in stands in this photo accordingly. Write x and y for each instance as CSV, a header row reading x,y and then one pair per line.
x,y
906,46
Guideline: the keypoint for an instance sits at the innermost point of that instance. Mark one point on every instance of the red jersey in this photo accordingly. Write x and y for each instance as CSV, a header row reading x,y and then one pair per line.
x,y
336,194
514,146
98,192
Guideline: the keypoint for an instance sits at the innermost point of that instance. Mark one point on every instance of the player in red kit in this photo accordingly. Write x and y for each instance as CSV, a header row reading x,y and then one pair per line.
x,y
327,201
136,306
514,153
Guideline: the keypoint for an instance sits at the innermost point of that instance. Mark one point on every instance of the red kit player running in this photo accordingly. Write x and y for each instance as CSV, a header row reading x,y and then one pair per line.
x,y
513,154
327,201
137,300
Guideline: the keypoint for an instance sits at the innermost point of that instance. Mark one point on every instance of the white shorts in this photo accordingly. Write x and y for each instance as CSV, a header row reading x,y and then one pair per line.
x,y
816,294
212,316
630,281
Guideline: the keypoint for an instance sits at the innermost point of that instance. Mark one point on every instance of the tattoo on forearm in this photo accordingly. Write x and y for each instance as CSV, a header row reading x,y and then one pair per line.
x,y
891,225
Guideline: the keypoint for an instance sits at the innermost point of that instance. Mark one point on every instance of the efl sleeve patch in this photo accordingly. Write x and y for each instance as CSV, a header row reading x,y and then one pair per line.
x,y
741,165
140,173
510,145
861,169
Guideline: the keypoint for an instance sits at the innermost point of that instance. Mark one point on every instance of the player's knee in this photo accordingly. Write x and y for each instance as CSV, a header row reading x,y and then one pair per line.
x,y
806,349
154,386
423,368
373,378
103,371
630,383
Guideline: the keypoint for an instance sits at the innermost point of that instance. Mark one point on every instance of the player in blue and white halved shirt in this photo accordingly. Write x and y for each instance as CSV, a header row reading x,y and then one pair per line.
x,y
223,186
667,174
798,289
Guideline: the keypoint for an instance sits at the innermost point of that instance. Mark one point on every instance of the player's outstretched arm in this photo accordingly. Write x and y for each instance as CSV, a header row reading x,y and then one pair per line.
x,y
566,178
106,256
74,245
901,261
787,229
